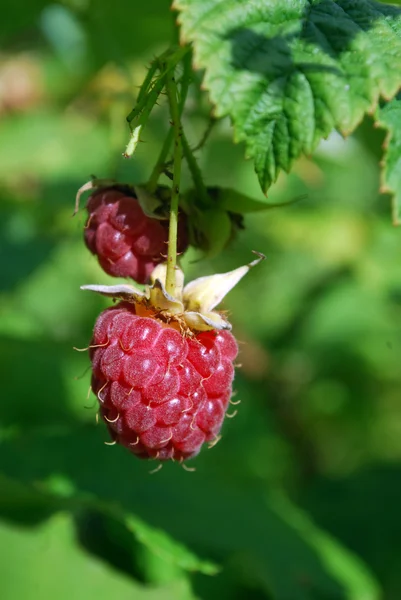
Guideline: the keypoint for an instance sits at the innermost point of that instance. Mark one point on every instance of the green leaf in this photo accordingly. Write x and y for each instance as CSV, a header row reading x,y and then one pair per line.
x,y
163,559
162,545
268,539
370,495
287,72
389,117
57,491
71,572
22,503
338,561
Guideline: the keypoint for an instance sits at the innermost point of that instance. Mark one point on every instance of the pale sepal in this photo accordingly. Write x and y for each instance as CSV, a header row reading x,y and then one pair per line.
x,y
160,273
192,305
162,300
206,322
93,184
204,294
122,291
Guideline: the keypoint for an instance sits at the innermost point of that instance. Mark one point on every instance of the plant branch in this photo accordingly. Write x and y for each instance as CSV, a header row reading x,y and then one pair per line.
x,y
150,92
144,106
161,162
162,159
148,80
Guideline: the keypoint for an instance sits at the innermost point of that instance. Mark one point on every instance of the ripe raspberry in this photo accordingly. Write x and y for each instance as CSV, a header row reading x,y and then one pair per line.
x,y
161,393
126,241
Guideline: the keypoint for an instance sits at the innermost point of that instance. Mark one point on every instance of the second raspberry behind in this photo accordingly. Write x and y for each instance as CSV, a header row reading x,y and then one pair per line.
x,y
127,242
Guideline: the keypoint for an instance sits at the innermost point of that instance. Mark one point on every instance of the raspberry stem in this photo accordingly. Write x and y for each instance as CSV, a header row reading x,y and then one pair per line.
x,y
162,160
171,89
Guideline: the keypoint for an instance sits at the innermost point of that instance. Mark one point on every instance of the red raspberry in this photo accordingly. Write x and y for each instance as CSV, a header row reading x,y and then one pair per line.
x,y
126,241
161,393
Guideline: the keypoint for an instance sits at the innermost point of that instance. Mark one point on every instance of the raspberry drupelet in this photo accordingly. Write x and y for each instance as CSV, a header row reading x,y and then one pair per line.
x,y
127,242
161,393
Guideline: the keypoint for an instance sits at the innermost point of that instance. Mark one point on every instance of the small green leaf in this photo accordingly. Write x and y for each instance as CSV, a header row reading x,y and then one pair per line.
x,y
215,227
235,202
389,117
288,73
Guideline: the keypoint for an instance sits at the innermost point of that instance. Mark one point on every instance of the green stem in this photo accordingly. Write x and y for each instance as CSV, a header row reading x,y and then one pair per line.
x,y
205,136
162,159
178,134
147,102
150,92
147,97
161,162
195,174
148,80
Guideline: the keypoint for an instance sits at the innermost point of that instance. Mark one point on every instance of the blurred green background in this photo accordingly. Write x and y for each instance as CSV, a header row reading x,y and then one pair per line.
x,y
301,499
